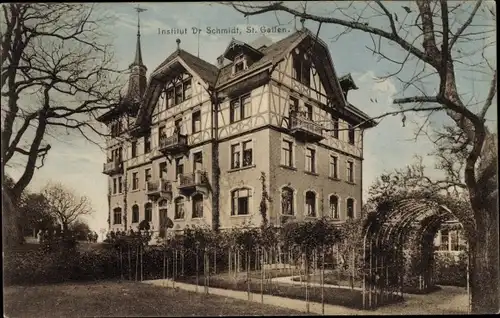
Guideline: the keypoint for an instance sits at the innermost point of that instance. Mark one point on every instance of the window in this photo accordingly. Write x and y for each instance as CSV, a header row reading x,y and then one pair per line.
x,y
117,216
240,200
350,208
454,241
147,175
287,201
301,68
135,213
187,91
148,212
335,127
293,104
351,134
197,205
196,121
120,185
444,246
135,181
179,208
170,98
350,171
310,203
334,167
163,169
116,128
179,167
134,149
309,111
147,144
114,185
178,94
286,153
178,126
240,108
334,207
310,160
116,154
161,134
247,154
235,156
238,67
198,161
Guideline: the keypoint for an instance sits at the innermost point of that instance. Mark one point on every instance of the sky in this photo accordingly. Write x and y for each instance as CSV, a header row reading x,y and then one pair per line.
x,y
77,163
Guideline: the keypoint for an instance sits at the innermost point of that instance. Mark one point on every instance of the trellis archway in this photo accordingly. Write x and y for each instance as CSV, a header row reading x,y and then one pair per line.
x,y
402,227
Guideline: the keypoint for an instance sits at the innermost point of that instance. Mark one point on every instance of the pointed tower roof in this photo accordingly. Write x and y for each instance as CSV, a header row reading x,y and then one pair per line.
x,y
138,52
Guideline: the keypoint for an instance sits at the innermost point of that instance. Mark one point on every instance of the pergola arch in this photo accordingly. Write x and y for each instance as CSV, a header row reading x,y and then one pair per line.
x,y
397,224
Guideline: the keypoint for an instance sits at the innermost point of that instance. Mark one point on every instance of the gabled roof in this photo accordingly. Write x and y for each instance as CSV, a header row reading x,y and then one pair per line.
x,y
347,82
208,72
235,45
271,55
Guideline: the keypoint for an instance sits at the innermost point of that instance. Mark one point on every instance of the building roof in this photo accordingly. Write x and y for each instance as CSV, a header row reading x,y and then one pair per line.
x,y
218,77
207,71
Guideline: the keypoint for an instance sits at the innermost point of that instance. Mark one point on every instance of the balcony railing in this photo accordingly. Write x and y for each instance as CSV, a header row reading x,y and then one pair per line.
x,y
159,187
190,180
114,166
304,127
173,142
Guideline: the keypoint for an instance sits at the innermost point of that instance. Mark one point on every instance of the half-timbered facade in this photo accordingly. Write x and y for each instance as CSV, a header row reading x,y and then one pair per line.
x,y
193,146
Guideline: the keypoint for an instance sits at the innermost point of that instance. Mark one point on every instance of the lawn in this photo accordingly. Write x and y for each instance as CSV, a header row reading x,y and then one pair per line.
x,y
334,296
120,299
331,279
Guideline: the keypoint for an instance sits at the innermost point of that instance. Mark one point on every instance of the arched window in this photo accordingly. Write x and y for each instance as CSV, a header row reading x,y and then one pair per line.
x,y
135,213
334,206
117,216
350,208
310,203
197,205
287,201
148,212
240,201
179,208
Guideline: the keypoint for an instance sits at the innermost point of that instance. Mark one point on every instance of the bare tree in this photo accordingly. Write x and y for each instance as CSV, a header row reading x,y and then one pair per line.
x,y
65,205
57,73
438,42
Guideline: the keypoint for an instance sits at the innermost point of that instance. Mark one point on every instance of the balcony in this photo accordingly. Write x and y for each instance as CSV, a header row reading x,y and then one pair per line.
x,y
305,129
160,188
112,167
192,182
173,144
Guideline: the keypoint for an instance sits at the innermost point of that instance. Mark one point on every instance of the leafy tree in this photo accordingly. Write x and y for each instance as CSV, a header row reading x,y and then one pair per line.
x,y
80,229
440,42
36,213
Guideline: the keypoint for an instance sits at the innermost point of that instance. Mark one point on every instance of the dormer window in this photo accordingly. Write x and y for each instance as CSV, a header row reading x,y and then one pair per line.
x,y
238,67
240,64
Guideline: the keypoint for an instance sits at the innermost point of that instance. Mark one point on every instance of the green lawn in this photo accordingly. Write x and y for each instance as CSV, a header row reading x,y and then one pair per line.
x,y
331,279
120,299
334,296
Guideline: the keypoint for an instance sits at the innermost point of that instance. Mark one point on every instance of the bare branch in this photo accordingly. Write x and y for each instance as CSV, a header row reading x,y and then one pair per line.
x,y
465,25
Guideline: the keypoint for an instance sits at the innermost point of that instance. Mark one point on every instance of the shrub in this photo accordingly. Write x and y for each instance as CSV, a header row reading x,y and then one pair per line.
x,y
449,270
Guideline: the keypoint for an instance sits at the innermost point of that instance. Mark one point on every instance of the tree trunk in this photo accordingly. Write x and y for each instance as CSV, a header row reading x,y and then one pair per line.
x,y
12,233
484,271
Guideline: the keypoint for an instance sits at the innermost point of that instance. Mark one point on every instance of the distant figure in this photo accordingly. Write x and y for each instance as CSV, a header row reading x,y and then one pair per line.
x,y
40,236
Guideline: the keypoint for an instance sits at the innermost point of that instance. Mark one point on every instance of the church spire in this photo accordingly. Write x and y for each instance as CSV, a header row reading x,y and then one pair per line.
x,y
138,52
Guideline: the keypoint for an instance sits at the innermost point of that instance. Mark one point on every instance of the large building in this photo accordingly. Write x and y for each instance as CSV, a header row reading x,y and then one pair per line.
x,y
202,144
